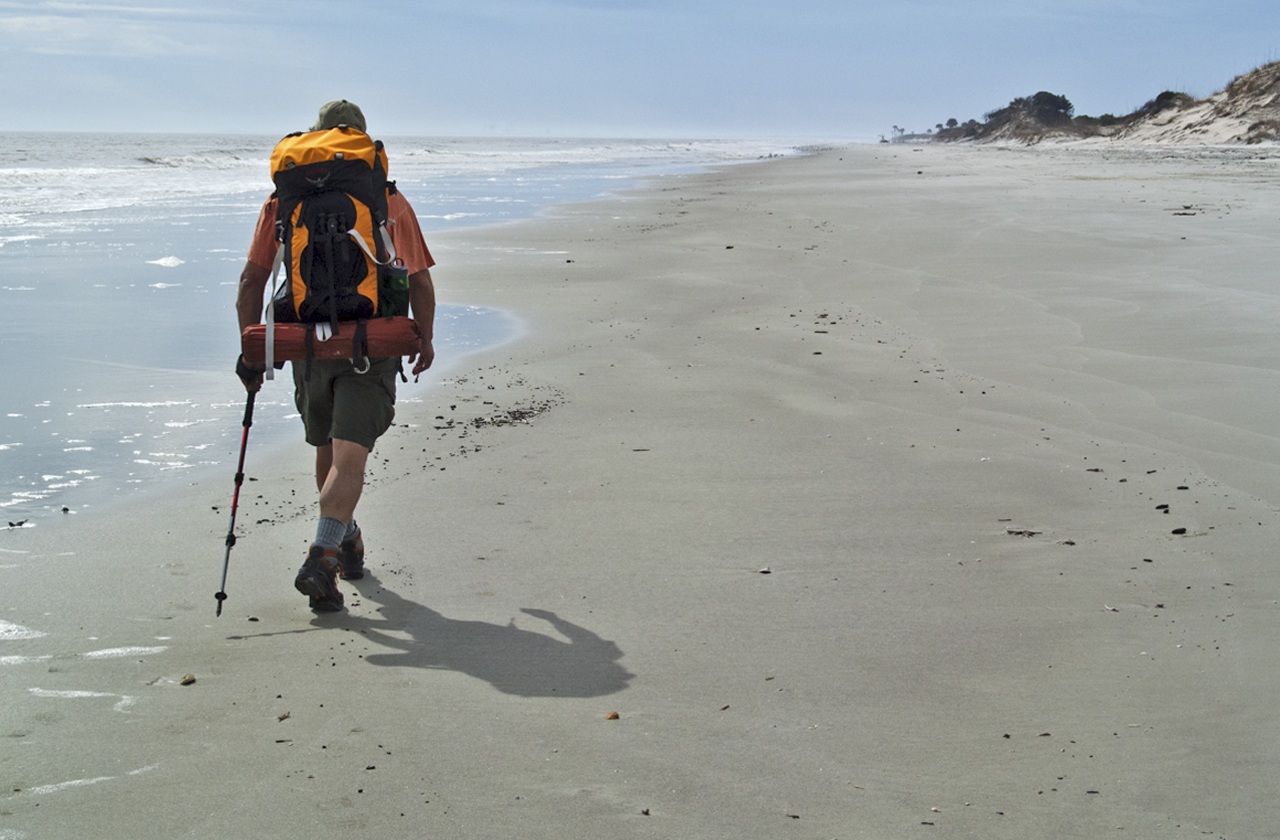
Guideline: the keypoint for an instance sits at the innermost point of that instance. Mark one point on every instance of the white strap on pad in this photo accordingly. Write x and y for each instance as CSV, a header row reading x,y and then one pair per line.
x,y
270,342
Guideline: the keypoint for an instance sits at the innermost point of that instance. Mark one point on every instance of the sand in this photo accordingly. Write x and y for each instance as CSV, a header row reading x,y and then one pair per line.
x,y
839,479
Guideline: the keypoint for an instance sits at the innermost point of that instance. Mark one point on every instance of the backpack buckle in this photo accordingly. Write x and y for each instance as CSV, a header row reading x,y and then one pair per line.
x,y
360,349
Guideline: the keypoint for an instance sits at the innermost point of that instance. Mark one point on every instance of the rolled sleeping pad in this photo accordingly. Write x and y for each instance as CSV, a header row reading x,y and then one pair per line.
x,y
398,336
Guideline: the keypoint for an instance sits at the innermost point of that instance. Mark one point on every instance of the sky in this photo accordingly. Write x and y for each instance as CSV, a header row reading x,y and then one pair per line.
x,y
809,70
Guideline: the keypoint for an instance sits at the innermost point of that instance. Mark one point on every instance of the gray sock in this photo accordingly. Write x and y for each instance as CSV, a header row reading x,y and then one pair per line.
x,y
352,530
329,532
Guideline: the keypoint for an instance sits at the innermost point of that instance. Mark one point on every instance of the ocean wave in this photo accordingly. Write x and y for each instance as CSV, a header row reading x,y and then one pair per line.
x,y
211,162
86,172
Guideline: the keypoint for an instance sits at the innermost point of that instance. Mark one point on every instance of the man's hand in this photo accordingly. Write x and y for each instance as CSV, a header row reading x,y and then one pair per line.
x,y
424,357
253,282
422,304
250,374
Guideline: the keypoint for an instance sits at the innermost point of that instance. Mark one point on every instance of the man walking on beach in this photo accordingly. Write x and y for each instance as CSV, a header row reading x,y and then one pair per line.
x,y
344,411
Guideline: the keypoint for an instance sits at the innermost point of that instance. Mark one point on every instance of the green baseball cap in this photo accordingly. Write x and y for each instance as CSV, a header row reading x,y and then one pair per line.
x,y
339,112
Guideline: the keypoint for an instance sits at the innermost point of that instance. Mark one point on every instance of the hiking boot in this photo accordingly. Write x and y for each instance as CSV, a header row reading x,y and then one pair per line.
x,y
351,557
317,579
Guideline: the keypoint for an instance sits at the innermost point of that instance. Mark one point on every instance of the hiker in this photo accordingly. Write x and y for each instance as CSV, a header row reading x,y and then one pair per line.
x,y
343,409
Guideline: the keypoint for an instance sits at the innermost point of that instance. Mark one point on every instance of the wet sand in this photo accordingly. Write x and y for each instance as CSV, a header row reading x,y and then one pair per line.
x,y
879,493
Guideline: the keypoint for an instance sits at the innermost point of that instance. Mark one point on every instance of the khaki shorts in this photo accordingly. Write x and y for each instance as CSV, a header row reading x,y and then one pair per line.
x,y
339,403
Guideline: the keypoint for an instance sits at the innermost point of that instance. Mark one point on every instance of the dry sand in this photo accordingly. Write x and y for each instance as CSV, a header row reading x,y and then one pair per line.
x,y
938,394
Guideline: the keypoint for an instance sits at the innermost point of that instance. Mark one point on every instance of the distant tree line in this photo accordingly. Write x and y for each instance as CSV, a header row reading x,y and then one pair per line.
x,y
1033,117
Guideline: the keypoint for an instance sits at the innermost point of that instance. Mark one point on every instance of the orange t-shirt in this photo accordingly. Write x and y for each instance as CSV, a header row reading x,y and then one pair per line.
x,y
405,235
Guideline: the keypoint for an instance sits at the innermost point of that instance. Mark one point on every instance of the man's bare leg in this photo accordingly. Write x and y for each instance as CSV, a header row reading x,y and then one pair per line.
x,y
340,478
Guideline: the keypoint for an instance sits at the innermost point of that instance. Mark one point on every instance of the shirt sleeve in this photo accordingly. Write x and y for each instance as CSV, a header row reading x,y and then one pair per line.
x,y
262,251
407,236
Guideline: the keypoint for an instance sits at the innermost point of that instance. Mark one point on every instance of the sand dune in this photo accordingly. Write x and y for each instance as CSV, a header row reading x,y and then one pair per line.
x,y
1245,112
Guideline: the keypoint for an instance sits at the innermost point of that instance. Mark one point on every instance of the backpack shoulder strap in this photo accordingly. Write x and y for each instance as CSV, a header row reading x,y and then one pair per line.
x,y
271,313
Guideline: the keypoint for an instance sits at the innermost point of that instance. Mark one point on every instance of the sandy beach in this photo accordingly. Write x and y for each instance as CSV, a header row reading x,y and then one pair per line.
x,y
882,492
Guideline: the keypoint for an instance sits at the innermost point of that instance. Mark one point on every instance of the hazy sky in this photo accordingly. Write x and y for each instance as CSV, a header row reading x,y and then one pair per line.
x,y
806,69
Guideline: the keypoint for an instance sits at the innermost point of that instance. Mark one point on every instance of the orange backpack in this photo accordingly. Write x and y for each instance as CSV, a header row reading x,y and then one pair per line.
x,y
331,222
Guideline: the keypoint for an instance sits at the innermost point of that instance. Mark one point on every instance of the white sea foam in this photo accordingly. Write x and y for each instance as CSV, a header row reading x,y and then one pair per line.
x,y
62,173
162,404
122,652
45,790
125,700
10,632
69,695
23,660
30,494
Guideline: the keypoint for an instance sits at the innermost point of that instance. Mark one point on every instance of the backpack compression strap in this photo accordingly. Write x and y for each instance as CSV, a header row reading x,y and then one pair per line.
x,y
364,246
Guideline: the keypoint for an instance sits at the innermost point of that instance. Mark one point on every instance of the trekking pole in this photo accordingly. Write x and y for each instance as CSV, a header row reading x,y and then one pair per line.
x,y
221,594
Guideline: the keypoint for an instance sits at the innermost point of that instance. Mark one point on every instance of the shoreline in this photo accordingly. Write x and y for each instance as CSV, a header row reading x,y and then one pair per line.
x,y
894,382
94,458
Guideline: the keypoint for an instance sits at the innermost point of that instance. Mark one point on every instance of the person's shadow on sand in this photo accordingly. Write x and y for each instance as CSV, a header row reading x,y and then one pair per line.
x,y
512,660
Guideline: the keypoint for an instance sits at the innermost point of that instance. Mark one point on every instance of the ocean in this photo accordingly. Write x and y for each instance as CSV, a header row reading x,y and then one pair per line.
x,y
119,257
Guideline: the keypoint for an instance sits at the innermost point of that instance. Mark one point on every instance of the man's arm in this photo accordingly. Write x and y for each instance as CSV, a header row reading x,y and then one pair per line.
x,y
253,282
422,306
